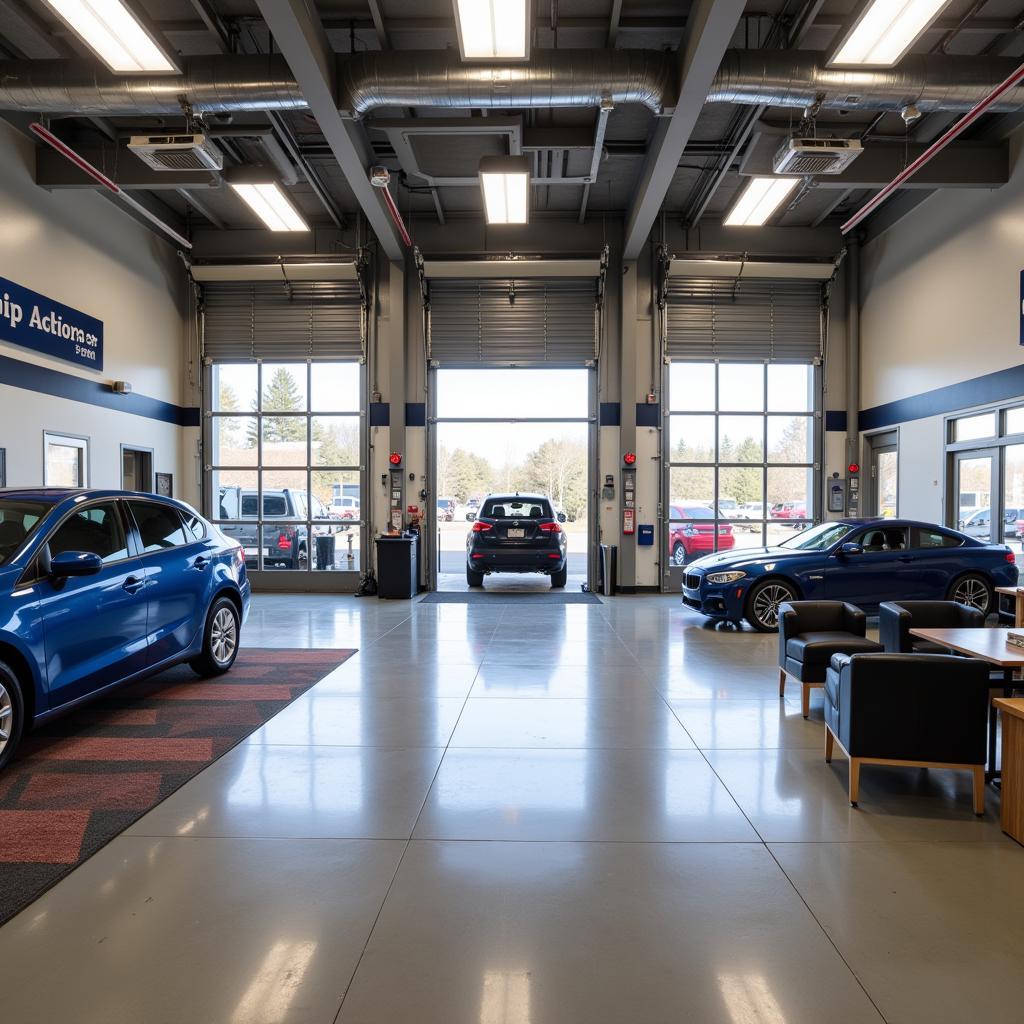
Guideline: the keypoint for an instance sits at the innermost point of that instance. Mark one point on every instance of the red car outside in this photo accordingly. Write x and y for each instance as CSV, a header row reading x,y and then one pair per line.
x,y
789,510
694,536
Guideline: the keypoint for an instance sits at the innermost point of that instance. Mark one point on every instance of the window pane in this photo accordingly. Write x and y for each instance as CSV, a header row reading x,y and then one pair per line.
x,y
692,438
691,387
971,428
335,387
1015,420
1013,495
790,388
339,494
692,493
284,493
234,440
790,439
234,387
285,546
741,387
335,440
229,487
96,529
284,387
66,462
193,526
789,493
284,441
741,493
159,526
515,393
741,439
926,538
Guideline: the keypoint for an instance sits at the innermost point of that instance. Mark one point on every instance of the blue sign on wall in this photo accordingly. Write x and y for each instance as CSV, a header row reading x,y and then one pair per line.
x,y
44,325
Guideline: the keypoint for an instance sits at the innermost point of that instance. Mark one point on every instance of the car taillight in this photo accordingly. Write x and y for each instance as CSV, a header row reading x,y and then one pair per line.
x,y
479,527
1011,558
549,527
284,542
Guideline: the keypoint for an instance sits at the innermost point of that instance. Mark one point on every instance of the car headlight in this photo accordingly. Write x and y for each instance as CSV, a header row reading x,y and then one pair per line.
x,y
725,577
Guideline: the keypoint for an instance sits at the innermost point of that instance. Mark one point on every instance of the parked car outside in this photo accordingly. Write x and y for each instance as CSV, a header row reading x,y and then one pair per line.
x,y
751,510
697,537
516,533
345,508
446,509
789,510
728,508
978,524
862,561
100,588
285,541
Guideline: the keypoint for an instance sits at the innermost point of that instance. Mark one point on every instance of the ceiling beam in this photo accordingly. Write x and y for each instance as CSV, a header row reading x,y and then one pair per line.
x,y
300,37
889,215
54,171
707,37
614,22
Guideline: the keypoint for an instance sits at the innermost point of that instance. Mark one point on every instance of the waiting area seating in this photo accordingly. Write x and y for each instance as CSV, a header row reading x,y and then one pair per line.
x,y
810,633
912,710
896,620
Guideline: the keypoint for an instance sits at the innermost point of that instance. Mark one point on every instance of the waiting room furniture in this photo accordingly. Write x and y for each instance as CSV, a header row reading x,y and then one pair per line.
x,y
1018,604
895,621
987,645
810,632
1012,794
909,710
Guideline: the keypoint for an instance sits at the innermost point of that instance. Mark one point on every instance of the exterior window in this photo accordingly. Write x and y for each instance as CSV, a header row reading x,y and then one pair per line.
x,y
972,428
96,529
159,526
66,461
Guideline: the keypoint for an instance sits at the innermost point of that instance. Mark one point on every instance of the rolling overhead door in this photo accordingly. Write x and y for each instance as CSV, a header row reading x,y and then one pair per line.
x,y
710,319
500,322
295,320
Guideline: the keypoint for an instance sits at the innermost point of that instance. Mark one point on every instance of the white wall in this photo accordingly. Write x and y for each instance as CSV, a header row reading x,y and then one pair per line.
x,y
76,247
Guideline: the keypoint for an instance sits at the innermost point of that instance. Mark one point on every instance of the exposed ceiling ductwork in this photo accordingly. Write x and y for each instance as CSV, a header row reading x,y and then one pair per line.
x,y
554,78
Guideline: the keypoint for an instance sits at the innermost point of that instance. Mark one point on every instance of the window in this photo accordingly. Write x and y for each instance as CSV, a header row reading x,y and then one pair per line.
x,y
516,508
193,526
66,460
818,538
96,529
925,538
972,428
17,520
159,526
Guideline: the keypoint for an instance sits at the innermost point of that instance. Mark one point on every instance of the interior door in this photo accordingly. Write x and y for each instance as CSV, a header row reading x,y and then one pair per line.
x,y
884,469
974,508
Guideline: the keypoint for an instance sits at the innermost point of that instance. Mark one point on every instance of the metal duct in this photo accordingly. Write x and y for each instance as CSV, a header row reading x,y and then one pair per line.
x,y
553,78
781,78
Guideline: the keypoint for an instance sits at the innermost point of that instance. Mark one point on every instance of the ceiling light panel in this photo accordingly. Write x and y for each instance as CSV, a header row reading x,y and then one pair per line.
x,y
116,34
493,29
759,200
505,183
885,31
269,203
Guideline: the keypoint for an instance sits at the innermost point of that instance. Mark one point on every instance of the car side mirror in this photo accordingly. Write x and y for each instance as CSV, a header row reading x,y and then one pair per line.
x,y
75,563
851,549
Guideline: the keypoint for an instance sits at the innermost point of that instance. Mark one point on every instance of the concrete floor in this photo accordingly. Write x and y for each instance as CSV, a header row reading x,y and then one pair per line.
x,y
584,814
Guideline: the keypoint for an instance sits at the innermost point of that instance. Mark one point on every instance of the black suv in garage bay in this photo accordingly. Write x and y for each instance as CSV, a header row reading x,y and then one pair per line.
x,y
516,533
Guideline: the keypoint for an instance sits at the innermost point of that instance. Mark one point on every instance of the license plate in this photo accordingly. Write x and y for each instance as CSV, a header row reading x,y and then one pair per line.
x,y
514,534
253,552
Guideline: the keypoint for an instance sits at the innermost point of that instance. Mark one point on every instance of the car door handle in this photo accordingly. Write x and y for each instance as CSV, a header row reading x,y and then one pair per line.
x,y
133,584
906,558
201,562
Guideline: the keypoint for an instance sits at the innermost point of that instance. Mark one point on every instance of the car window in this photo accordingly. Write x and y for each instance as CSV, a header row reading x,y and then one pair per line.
x,y
96,529
516,508
17,520
818,538
193,526
927,538
250,506
274,505
159,526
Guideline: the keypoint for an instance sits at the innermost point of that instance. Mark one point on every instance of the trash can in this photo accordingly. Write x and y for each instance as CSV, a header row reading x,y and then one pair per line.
x,y
325,546
397,567
609,569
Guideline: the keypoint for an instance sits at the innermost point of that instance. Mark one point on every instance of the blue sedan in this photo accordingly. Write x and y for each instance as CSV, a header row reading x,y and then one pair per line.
x,y
863,561
99,588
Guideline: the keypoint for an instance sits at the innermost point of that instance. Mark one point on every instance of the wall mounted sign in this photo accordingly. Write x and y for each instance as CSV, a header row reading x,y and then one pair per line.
x,y
44,325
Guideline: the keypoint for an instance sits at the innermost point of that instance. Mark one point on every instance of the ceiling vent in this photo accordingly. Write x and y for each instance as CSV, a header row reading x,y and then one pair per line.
x,y
816,156
177,152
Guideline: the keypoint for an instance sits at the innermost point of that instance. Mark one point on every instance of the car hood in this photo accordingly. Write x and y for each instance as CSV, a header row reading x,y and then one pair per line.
x,y
744,559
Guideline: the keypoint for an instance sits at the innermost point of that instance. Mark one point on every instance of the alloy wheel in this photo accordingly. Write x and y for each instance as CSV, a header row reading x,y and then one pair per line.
x,y
767,602
6,717
223,636
972,592
679,555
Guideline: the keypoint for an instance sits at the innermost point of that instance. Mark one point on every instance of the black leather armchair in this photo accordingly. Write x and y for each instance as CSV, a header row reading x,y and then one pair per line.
x,y
896,620
914,710
810,632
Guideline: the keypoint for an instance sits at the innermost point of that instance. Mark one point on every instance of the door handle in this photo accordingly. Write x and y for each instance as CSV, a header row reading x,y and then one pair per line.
x,y
201,562
133,584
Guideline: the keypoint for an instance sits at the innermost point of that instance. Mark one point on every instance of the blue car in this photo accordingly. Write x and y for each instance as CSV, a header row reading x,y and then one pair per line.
x,y
862,561
99,588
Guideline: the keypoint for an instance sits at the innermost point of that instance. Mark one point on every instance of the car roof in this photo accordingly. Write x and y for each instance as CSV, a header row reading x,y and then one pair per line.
x,y
55,495
505,496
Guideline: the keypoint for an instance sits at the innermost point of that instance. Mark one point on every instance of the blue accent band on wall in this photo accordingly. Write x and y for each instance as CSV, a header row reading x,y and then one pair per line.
x,y
1000,386
380,414
415,414
45,381
835,419
610,414
648,415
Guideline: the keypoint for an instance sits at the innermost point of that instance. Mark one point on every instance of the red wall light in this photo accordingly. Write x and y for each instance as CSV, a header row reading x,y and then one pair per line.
x,y
629,458
395,458
853,468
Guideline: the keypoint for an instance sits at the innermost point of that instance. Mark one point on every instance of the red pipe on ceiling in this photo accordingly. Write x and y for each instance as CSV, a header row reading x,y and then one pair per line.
x,y
936,147
396,216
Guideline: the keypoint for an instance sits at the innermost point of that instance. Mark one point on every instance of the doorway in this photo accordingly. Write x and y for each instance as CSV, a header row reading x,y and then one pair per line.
x,y
527,430
137,469
974,485
882,498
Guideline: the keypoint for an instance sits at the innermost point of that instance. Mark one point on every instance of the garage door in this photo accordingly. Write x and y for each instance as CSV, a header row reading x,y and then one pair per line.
x,y
503,322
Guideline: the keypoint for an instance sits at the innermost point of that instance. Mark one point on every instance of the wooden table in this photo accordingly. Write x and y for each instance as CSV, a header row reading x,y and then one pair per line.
x,y
1018,603
986,645
1011,811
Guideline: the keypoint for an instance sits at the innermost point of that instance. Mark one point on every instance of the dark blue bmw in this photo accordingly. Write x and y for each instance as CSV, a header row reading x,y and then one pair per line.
x,y
99,588
863,561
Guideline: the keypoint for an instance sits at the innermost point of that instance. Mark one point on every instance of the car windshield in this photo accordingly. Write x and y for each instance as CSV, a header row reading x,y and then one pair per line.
x,y
517,508
18,519
817,538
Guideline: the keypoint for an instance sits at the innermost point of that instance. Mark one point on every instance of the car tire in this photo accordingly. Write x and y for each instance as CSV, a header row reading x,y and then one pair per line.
x,y
221,636
12,713
679,555
559,579
474,579
973,590
762,607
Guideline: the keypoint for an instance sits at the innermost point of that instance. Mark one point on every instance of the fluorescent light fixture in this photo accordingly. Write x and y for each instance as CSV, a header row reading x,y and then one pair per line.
x,y
885,31
505,182
270,204
493,29
759,200
117,35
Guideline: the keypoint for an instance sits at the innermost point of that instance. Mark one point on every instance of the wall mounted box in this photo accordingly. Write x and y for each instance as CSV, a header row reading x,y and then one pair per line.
x,y
645,536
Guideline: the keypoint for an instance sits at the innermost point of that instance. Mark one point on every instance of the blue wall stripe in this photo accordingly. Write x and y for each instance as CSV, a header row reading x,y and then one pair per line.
x,y
648,415
993,387
610,414
45,381
415,414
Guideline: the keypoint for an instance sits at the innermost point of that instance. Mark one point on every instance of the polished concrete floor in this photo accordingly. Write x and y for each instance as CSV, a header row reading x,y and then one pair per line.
x,y
583,814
